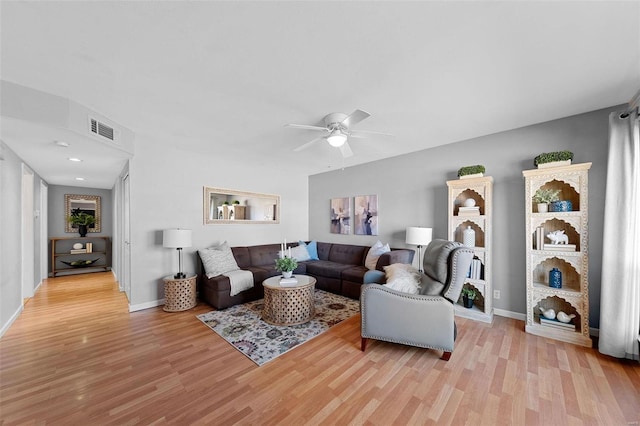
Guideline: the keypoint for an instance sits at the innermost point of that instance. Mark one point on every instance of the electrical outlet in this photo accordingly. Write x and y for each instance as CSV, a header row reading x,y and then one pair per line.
x,y
496,294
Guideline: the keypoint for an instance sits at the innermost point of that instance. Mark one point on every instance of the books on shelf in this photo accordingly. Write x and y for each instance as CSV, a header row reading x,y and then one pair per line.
x,y
78,251
557,324
468,211
475,270
288,282
560,247
89,247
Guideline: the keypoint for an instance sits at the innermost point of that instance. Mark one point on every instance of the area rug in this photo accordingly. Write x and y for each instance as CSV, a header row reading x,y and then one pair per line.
x,y
242,326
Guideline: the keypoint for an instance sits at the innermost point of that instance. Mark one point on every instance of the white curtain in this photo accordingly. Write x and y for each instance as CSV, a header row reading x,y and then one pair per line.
x,y
620,290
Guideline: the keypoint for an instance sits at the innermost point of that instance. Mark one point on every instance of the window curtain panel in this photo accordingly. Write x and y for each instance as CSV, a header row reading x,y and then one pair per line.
x,y
620,289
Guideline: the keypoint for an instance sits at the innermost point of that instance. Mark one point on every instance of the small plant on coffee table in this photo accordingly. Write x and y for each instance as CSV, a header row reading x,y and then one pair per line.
x,y
286,264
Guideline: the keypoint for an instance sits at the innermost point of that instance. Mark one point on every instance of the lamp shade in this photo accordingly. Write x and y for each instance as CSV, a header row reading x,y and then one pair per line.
x,y
337,138
418,236
176,238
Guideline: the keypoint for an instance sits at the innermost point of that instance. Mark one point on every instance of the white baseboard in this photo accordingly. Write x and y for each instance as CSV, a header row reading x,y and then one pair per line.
x,y
11,320
509,314
147,305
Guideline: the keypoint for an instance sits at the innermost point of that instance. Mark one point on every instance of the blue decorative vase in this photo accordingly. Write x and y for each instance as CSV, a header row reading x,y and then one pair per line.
x,y
561,206
555,278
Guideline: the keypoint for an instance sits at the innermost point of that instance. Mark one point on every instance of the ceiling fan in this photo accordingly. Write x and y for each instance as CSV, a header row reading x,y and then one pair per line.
x,y
338,130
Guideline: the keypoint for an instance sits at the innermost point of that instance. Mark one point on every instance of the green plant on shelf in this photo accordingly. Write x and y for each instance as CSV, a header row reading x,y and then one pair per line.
x,y
471,170
469,293
81,218
546,196
549,157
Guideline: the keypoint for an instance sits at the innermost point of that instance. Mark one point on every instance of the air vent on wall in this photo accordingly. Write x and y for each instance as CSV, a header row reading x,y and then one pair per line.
x,y
101,129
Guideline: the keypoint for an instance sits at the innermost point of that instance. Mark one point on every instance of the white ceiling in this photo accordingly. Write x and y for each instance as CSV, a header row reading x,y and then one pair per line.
x,y
223,78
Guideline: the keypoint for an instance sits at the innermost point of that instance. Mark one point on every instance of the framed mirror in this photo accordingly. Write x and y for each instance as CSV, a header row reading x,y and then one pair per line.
x,y
231,206
89,204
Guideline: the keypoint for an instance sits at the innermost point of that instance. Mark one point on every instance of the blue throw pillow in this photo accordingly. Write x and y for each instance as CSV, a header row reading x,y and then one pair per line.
x,y
312,248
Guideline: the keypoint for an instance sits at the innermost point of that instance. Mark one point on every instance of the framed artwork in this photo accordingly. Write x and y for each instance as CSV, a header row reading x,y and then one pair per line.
x,y
340,215
366,215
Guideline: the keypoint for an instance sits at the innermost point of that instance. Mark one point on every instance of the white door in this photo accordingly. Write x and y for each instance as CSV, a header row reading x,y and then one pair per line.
x,y
27,234
126,249
44,231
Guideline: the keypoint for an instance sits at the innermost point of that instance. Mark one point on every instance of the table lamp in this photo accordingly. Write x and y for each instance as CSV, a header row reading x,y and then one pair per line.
x,y
419,236
178,239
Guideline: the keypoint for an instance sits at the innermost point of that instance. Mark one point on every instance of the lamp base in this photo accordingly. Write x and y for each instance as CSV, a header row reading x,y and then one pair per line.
x,y
180,275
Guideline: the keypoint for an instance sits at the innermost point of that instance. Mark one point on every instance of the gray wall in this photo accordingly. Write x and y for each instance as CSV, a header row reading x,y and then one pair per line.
x,y
412,191
10,235
57,217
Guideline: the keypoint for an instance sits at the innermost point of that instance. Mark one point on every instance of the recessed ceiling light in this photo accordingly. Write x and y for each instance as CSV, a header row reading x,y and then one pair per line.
x,y
79,178
62,144
74,159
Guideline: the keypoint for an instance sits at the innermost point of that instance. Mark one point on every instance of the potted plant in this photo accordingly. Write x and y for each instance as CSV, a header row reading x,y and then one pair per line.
x,y
553,159
286,265
236,202
468,296
543,197
82,220
471,171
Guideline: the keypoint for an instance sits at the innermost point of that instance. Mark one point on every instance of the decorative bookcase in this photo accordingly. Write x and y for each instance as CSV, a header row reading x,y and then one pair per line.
x,y
64,258
470,206
571,259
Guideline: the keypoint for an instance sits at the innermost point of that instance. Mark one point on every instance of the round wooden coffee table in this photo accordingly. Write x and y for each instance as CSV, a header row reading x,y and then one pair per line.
x,y
289,305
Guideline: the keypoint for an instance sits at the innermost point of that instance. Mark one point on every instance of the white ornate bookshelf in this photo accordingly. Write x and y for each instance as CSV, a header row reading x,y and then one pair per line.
x,y
480,189
573,297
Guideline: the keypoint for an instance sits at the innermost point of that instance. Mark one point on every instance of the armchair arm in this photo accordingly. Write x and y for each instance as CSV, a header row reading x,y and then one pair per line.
x,y
410,319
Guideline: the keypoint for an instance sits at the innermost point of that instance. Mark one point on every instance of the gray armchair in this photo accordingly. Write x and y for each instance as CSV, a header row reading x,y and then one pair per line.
x,y
427,319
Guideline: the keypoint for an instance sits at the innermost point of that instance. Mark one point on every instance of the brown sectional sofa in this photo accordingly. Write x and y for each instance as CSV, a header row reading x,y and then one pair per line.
x,y
340,269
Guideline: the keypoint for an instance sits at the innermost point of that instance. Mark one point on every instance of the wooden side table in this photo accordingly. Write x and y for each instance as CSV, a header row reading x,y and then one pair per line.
x,y
179,293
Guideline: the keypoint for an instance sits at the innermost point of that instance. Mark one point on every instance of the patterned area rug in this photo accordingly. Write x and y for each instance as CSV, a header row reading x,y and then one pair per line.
x,y
242,326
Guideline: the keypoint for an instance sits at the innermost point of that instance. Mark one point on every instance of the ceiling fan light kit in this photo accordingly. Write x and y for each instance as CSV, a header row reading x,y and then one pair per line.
x,y
337,138
337,129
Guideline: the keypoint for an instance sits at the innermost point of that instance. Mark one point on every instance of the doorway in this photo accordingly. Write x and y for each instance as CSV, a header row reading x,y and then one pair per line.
x,y
27,237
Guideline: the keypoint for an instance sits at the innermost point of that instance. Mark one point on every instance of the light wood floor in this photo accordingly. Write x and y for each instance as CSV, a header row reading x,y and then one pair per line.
x,y
76,356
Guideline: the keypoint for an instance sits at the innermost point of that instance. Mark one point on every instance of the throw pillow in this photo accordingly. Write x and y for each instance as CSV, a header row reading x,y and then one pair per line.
x,y
402,277
218,260
299,253
312,248
377,250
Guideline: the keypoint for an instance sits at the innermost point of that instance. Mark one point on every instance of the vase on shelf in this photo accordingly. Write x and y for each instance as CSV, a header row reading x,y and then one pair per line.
x,y
469,237
543,207
555,278
82,229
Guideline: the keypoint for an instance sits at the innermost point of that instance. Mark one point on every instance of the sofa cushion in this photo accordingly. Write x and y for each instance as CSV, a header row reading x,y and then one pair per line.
x,y
242,256
217,260
323,250
347,254
354,273
374,254
326,268
264,255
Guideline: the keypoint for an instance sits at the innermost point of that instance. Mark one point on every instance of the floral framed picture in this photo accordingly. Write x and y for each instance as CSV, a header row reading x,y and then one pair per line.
x,y
340,215
366,215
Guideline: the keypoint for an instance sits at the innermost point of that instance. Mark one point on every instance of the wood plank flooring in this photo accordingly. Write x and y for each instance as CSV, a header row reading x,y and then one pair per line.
x,y
76,356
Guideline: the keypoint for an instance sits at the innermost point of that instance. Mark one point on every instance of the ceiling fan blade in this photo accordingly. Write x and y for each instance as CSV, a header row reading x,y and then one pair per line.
x,y
345,149
304,126
308,144
364,133
355,117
